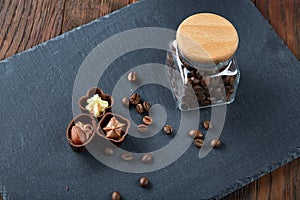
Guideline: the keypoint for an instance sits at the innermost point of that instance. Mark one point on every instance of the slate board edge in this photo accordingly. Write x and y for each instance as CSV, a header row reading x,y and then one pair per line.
x,y
66,34
59,37
294,154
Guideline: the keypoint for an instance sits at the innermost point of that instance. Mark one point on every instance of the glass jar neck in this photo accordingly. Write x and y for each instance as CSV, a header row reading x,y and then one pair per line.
x,y
202,66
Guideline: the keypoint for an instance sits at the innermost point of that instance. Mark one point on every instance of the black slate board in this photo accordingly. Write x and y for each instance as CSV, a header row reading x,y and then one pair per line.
x,y
261,131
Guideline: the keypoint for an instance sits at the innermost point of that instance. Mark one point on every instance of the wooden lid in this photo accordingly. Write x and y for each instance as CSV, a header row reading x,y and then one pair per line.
x,y
207,37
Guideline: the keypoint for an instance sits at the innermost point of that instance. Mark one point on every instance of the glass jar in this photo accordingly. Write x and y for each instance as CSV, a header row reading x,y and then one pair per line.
x,y
202,68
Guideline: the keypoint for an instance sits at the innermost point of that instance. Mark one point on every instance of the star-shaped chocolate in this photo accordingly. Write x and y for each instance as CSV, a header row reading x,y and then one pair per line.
x,y
114,129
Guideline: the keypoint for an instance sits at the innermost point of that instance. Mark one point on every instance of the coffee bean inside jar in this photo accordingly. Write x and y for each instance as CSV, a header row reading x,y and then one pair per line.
x,y
203,56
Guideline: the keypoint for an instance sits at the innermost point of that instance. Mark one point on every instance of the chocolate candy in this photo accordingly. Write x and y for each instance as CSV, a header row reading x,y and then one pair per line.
x,y
114,129
78,137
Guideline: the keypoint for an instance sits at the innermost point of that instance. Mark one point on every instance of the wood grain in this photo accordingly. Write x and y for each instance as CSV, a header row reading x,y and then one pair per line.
x,y
281,184
24,24
80,12
213,35
284,16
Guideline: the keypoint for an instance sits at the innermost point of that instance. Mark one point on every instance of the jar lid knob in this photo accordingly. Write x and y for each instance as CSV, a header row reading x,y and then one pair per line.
x,y
206,38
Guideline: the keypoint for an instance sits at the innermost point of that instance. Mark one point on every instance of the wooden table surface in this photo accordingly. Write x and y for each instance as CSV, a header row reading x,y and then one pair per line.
x,y
26,23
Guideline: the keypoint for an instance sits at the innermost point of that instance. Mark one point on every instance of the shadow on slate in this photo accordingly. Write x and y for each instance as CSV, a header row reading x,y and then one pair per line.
x,y
261,131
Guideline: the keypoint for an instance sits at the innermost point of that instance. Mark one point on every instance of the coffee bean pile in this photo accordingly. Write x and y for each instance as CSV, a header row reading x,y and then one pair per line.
x,y
198,136
141,108
200,88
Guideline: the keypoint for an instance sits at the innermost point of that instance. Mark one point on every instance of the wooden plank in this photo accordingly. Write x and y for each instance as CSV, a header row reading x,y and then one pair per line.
x,y
25,24
284,16
297,11
283,183
80,12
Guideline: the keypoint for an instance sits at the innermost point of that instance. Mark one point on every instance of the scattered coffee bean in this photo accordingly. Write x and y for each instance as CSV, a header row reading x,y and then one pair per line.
x,y
207,124
146,106
142,128
147,158
144,182
127,156
125,101
108,151
132,76
147,120
135,99
115,196
196,134
139,108
195,80
199,142
168,129
215,143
